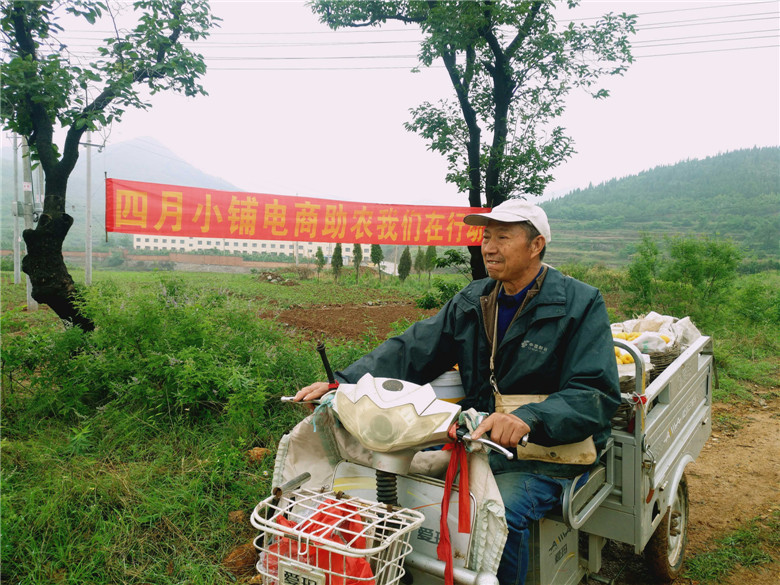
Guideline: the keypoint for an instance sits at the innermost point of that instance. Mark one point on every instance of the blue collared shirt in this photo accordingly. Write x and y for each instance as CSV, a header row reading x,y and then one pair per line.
x,y
508,306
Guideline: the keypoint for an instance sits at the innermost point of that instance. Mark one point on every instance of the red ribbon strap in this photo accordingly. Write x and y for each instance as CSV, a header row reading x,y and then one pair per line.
x,y
458,458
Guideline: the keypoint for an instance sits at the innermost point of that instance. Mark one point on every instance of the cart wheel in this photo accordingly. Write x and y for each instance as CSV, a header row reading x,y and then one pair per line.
x,y
666,548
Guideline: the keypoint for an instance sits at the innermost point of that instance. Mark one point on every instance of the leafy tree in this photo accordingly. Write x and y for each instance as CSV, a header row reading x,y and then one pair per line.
x,y
686,277
705,265
405,264
454,258
45,89
376,258
336,262
643,273
419,262
320,261
357,258
511,66
430,261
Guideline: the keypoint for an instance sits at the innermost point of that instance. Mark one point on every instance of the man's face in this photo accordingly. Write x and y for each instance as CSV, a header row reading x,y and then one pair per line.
x,y
509,256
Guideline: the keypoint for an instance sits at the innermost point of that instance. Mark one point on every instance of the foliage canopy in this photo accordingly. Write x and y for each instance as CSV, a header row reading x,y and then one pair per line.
x,y
511,65
45,87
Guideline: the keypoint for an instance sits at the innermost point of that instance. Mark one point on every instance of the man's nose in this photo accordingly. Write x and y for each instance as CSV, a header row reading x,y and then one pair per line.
x,y
488,246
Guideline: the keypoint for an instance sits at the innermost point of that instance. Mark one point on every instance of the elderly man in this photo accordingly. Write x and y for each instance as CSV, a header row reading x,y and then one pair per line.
x,y
525,330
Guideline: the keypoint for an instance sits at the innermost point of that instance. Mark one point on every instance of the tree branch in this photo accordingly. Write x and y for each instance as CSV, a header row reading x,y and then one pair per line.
x,y
525,29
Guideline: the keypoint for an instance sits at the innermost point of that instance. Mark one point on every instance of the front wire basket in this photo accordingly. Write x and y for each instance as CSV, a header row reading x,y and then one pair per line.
x,y
317,538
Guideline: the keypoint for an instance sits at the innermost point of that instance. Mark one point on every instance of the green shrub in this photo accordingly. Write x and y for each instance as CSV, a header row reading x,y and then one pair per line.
x,y
429,300
7,263
603,278
115,259
757,299
437,298
685,277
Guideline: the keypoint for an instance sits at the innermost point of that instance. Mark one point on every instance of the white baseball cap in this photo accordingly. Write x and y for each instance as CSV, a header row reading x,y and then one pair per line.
x,y
513,211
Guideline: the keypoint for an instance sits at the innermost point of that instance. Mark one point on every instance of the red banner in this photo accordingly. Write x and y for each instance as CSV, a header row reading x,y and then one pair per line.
x,y
150,208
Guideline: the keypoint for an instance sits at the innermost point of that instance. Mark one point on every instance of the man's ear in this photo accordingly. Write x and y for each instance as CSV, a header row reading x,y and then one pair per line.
x,y
537,245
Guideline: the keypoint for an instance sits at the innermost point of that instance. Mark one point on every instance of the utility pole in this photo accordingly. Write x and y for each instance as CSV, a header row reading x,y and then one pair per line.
x,y
17,211
88,243
32,304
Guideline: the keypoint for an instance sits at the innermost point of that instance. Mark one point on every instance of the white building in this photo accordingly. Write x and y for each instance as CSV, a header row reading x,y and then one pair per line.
x,y
306,250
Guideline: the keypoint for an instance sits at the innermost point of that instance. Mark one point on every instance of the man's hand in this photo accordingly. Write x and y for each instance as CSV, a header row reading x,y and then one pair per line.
x,y
312,392
505,429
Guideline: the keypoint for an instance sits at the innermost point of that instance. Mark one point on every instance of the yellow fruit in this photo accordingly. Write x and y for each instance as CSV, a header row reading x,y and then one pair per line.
x,y
665,338
617,352
628,359
621,335
633,336
619,361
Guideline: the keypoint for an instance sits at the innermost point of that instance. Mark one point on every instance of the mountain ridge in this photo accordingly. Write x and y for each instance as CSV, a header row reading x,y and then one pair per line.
x,y
732,195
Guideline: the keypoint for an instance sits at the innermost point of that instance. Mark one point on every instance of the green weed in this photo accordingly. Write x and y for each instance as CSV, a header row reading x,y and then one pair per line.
x,y
728,423
749,546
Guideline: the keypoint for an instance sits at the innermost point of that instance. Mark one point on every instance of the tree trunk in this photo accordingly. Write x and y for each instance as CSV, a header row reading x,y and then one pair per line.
x,y
477,263
51,282
472,152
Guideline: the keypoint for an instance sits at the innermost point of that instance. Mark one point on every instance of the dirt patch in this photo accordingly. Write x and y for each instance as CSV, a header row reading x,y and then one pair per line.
x,y
737,476
351,322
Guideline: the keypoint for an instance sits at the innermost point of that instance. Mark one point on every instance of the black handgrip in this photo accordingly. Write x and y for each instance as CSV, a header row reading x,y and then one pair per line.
x,y
328,371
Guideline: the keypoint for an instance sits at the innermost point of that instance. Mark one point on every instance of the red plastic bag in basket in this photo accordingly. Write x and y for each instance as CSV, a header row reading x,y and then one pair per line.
x,y
330,522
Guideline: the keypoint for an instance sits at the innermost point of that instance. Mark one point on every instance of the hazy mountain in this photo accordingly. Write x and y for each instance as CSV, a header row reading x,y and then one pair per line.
x,y
141,159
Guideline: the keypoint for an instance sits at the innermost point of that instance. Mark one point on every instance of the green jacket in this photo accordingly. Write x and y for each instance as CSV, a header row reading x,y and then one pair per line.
x,y
559,344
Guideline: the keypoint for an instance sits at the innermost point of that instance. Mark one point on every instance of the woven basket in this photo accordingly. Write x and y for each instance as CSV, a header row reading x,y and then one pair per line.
x,y
661,359
622,417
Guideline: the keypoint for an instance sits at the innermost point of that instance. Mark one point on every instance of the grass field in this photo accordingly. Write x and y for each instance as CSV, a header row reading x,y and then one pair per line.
x,y
125,453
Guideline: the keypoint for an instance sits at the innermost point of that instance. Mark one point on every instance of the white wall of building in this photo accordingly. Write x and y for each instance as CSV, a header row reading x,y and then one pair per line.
x,y
306,250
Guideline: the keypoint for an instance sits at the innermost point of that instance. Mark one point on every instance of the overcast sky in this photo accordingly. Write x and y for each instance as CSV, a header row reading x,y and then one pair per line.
x,y
285,117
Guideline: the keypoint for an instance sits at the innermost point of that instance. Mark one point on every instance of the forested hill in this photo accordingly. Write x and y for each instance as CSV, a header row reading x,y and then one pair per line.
x,y
734,195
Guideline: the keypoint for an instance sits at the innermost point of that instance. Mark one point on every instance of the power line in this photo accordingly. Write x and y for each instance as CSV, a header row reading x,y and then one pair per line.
x,y
366,68
659,43
680,41
368,43
217,33
705,7
376,68
709,41
686,38
637,44
365,43
709,51
707,21
708,7
317,58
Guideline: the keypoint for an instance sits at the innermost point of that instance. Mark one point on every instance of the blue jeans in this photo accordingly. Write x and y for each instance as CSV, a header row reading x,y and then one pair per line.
x,y
527,498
